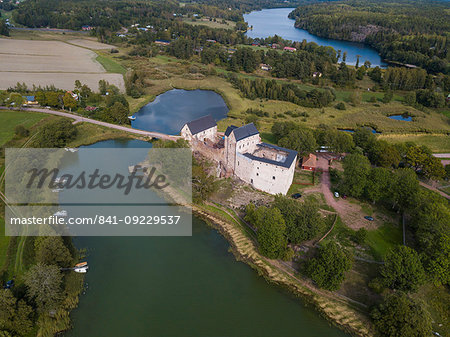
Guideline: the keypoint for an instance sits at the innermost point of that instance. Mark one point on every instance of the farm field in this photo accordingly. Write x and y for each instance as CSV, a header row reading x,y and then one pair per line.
x,y
45,63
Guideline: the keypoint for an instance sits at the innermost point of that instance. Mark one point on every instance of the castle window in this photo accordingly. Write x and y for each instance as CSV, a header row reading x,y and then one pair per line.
x,y
273,177
257,174
251,181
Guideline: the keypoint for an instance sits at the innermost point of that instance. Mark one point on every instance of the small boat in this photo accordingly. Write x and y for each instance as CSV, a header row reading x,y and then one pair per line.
x,y
59,180
71,149
81,264
132,118
81,270
56,190
62,213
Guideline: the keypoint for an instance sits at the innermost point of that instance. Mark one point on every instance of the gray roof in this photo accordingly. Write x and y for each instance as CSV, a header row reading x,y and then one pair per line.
x,y
201,124
229,129
291,154
245,131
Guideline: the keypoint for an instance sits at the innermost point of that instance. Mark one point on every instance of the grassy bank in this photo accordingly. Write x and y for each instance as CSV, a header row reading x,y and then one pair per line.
x,y
347,315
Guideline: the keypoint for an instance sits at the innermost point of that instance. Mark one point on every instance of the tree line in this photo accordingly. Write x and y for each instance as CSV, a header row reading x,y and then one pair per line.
x,y
410,32
271,89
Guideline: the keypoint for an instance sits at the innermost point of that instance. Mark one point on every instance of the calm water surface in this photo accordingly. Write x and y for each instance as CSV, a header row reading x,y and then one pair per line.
x,y
171,110
269,22
401,118
182,286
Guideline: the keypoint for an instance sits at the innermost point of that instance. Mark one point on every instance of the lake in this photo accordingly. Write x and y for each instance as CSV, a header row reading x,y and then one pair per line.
x,y
181,286
172,109
269,22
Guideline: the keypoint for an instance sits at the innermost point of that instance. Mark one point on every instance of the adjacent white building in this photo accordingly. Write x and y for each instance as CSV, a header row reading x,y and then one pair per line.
x,y
200,129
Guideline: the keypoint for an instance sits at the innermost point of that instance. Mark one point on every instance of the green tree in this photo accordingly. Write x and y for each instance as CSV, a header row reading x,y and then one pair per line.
x,y
14,315
103,87
271,230
69,102
203,184
379,182
388,95
52,98
356,170
303,220
402,269
56,134
52,251
117,113
364,138
44,286
328,269
300,140
17,99
410,98
401,316
355,97
406,189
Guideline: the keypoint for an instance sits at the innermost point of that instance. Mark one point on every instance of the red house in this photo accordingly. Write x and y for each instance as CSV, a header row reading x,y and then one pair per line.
x,y
309,162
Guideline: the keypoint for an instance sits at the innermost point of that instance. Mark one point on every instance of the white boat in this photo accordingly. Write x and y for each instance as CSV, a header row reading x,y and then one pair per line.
x,y
132,118
56,190
59,180
61,213
81,269
71,149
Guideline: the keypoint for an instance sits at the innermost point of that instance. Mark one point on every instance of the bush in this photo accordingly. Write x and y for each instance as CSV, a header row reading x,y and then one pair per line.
x,y
360,236
340,106
21,131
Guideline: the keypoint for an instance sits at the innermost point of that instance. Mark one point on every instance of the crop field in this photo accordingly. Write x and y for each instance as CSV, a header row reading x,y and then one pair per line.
x,y
45,63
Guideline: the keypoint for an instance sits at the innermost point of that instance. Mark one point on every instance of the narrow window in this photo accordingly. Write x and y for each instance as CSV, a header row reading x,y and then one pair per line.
x,y
273,177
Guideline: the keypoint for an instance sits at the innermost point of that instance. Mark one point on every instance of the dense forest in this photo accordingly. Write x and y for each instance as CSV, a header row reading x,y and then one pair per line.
x,y
410,31
110,15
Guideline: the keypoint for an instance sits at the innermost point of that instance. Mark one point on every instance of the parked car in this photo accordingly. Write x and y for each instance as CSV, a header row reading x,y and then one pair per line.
x,y
368,218
336,194
296,195
344,197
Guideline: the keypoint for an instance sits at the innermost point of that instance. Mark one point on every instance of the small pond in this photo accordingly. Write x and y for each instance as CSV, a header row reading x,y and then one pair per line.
x,y
171,110
404,118
352,131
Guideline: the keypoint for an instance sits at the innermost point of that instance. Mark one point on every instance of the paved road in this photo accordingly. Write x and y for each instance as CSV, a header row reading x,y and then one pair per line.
x,y
78,119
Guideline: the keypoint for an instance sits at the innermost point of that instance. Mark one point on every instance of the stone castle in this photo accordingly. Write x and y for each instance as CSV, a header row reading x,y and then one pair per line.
x,y
241,153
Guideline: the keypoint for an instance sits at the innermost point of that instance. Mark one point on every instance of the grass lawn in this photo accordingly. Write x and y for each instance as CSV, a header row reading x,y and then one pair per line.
x,y
437,142
206,22
10,119
110,65
383,238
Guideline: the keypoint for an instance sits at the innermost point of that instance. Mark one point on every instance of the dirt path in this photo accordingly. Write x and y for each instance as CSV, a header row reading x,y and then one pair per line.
x,y
78,118
434,189
351,214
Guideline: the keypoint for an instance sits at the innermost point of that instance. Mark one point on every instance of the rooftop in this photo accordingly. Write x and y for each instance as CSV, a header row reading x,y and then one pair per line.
x,y
286,158
243,132
309,160
201,124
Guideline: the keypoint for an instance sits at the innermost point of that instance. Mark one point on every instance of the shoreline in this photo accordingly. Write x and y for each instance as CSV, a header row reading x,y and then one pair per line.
x,y
338,312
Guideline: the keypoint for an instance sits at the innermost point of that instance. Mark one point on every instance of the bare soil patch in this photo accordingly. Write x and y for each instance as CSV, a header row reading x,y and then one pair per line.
x,y
50,62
